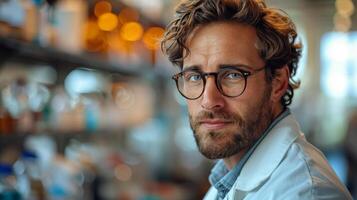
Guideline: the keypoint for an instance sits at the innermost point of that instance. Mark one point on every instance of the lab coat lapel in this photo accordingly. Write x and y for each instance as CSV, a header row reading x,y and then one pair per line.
x,y
267,156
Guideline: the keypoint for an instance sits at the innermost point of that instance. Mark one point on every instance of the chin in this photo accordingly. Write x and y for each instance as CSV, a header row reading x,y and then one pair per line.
x,y
215,148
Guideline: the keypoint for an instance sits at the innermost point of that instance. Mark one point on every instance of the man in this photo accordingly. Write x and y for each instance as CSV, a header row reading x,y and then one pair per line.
x,y
237,60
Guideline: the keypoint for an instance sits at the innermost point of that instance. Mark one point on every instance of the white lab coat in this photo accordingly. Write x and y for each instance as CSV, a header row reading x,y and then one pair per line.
x,y
285,167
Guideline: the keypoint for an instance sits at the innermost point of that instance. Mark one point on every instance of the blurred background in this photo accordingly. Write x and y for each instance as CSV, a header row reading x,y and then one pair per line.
x,y
88,109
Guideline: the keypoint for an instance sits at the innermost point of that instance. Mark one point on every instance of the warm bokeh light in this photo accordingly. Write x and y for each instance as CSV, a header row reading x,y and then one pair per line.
x,y
128,15
102,7
90,30
131,31
108,22
117,43
342,23
344,8
123,172
93,38
152,37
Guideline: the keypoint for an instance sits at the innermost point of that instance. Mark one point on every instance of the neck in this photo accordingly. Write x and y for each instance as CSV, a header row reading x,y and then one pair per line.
x,y
231,161
277,110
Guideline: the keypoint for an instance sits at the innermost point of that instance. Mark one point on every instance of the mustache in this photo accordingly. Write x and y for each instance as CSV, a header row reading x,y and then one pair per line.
x,y
219,115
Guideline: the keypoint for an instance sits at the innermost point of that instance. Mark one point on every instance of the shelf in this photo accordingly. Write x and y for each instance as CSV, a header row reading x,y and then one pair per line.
x,y
61,138
32,53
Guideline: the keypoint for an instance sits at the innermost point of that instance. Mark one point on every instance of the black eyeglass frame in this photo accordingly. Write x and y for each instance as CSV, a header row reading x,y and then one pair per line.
x,y
245,74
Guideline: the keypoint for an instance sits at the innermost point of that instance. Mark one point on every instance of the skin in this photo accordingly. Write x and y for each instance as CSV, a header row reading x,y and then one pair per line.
x,y
226,127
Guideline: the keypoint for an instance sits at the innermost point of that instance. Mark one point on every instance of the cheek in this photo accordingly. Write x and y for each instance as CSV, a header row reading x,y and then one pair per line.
x,y
193,107
247,103
255,90
239,106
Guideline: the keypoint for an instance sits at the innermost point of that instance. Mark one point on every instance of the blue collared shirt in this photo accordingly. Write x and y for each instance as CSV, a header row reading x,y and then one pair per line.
x,y
223,179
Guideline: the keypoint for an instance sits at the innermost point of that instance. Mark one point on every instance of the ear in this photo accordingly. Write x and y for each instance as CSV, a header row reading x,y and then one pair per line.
x,y
280,83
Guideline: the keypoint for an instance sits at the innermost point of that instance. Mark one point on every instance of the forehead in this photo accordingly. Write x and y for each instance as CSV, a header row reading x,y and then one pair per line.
x,y
222,43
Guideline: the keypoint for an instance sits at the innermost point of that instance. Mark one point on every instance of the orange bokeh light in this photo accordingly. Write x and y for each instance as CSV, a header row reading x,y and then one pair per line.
x,y
118,44
128,15
152,37
131,31
108,22
93,38
102,7
90,30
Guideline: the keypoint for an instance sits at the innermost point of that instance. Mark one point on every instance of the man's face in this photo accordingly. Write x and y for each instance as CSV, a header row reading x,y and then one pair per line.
x,y
224,126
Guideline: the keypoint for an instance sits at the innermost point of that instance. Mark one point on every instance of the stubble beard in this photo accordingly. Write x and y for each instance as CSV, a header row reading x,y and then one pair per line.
x,y
242,135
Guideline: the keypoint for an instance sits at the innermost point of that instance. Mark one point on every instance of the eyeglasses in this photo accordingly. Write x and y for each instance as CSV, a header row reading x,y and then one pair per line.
x,y
230,81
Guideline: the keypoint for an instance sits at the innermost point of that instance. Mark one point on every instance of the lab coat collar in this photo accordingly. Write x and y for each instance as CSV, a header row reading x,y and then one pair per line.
x,y
267,156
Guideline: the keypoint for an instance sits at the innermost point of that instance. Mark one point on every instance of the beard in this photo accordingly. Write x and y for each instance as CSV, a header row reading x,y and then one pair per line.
x,y
242,132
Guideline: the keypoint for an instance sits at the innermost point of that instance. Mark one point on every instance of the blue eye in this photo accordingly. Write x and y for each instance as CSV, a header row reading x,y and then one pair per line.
x,y
195,77
192,77
233,75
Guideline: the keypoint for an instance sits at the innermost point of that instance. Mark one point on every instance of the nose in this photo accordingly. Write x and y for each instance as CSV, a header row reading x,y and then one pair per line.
x,y
212,99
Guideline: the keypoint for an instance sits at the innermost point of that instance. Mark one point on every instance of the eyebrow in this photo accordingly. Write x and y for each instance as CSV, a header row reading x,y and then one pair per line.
x,y
221,66
192,67
238,66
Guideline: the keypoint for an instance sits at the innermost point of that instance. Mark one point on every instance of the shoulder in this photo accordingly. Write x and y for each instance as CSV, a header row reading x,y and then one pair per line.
x,y
305,173
285,166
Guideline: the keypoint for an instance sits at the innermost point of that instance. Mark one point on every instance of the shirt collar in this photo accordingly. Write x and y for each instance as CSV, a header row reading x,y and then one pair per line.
x,y
223,179
268,154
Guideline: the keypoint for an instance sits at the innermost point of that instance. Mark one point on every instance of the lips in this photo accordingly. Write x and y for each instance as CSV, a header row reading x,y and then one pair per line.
x,y
214,123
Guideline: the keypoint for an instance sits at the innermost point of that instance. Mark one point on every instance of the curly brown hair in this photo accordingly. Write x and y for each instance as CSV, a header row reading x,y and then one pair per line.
x,y
277,37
